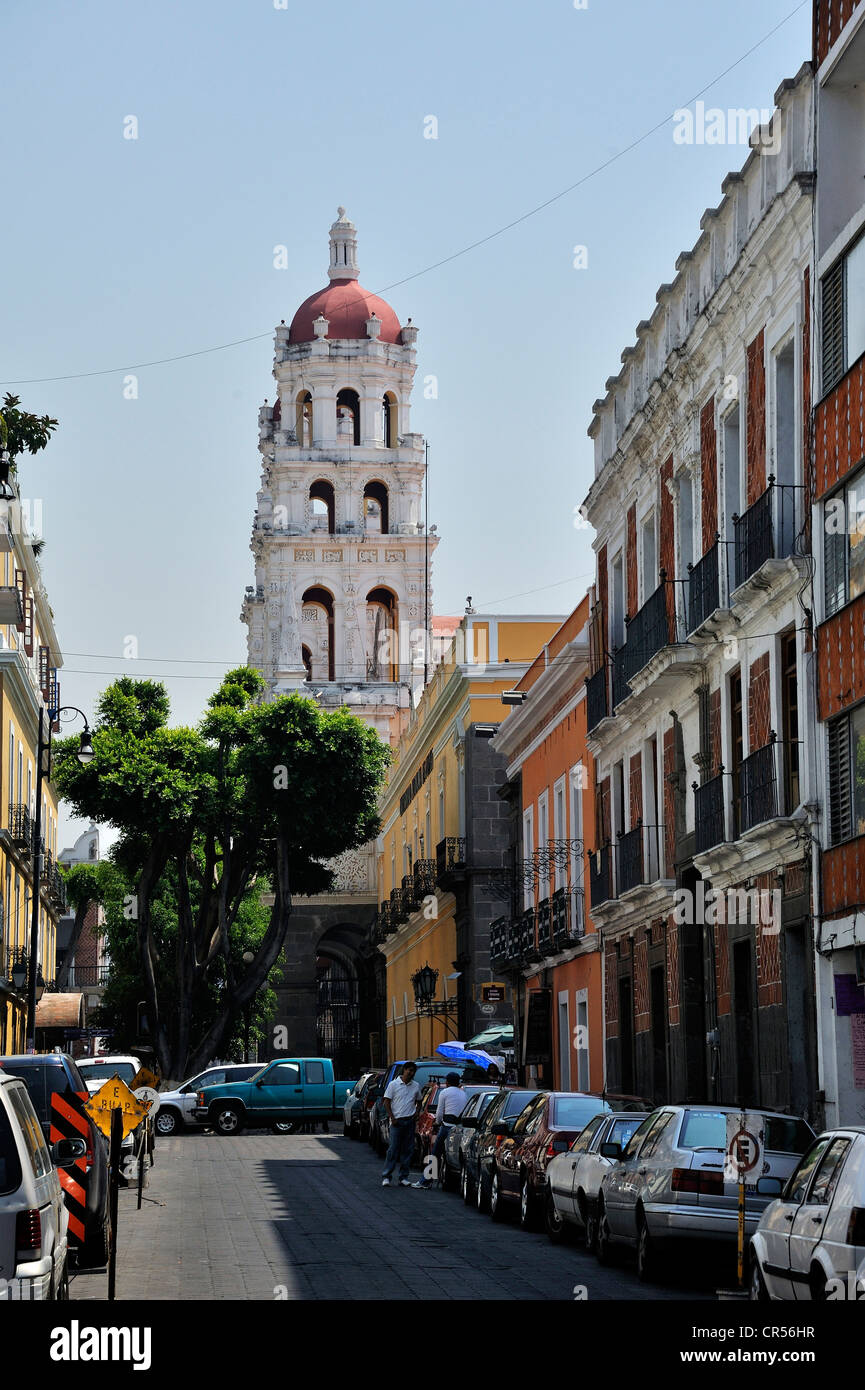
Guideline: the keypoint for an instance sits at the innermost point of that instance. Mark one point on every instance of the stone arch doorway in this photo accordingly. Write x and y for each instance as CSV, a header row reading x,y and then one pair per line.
x,y
342,1004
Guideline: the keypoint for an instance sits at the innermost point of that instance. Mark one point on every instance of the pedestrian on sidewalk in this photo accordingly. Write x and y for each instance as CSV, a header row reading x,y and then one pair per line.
x,y
401,1101
452,1100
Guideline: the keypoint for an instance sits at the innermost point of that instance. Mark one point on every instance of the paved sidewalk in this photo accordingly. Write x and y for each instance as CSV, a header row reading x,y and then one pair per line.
x,y
260,1216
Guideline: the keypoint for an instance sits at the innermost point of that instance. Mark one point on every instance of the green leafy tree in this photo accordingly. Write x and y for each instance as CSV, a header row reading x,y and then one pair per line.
x,y
20,430
86,884
257,791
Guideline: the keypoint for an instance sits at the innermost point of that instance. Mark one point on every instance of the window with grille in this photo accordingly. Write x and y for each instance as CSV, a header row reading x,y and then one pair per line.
x,y
844,545
847,776
842,315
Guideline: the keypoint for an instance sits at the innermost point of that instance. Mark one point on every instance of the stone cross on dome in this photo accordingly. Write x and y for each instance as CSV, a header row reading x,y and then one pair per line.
x,y
343,249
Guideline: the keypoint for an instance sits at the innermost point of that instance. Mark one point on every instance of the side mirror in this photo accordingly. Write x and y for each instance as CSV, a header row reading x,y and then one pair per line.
x,y
469,1122
502,1129
770,1187
451,1120
65,1151
611,1151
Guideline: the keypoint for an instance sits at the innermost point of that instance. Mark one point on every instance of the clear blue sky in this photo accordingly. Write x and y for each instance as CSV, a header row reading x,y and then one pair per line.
x,y
254,124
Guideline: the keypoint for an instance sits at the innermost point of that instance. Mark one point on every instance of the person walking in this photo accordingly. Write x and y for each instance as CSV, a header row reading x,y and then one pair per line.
x,y
452,1100
401,1101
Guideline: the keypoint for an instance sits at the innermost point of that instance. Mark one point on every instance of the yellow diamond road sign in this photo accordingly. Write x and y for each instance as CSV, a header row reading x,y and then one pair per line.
x,y
115,1095
144,1077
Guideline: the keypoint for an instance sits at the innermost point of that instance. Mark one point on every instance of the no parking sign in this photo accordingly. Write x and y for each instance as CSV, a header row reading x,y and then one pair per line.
x,y
743,1154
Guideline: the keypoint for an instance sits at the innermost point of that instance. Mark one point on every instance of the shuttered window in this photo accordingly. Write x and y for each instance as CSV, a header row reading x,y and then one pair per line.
x,y
840,799
844,545
832,327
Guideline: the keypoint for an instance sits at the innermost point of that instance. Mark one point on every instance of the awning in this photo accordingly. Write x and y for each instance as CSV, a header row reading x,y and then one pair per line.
x,y
60,1011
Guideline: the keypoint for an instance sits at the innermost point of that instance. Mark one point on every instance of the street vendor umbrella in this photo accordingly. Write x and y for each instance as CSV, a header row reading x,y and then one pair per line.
x,y
457,1052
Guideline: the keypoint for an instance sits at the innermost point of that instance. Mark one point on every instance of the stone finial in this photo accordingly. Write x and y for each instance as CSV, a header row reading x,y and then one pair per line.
x,y
320,326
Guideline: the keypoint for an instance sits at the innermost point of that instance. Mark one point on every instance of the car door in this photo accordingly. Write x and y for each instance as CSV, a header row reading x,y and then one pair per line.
x,y
621,1184
574,1168
776,1226
189,1092
49,1198
809,1220
279,1090
507,1160
318,1094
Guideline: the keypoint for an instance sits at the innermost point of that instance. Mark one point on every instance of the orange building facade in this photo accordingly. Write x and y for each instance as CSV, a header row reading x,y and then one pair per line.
x,y
546,941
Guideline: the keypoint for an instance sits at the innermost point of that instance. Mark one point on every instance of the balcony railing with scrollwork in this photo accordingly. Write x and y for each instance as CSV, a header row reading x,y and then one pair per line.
x,y
525,934
630,859
398,909
450,857
21,827
569,919
545,926
500,938
424,878
409,894
596,698
709,829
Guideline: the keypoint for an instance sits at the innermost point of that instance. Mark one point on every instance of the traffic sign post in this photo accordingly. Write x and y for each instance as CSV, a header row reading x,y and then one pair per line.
x,y
116,1139
116,1111
743,1158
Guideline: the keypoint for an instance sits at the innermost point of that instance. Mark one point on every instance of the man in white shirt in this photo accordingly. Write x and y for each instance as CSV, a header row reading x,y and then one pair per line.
x,y
401,1101
451,1100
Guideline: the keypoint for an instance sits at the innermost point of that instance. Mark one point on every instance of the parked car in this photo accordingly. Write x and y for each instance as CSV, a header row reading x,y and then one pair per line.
x,y
176,1106
483,1143
370,1096
480,1098
546,1128
354,1105
97,1070
34,1247
574,1178
668,1183
285,1092
809,1244
44,1074
428,1069
426,1126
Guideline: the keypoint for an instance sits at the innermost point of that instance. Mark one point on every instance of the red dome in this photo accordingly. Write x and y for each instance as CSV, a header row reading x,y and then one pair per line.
x,y
347,306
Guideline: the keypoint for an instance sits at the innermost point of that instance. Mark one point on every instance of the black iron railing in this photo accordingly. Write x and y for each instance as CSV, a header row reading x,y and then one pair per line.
x,y
499,938
569,922
57,887
703,588
709,828
409,896
758,787
385,921
621,689
82,975
545,926
424,877
766,531
450,856
398,910
21,827
525,933
600,878
648,632
596,698
630,859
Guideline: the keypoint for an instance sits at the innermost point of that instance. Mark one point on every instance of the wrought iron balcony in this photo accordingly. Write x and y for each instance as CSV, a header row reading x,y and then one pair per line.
x,y
545,926
385,921
450,858
766,531
526,942
596,698
569,924
80,976
424,877
398,909
709,829
600,878
630,859
648,632
21,827
703,588
758,787
500,939
621,689
409,894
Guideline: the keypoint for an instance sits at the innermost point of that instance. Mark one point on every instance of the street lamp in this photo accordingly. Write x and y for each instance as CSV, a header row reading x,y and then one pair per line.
x,y
19,971
43,773
424,985
248,958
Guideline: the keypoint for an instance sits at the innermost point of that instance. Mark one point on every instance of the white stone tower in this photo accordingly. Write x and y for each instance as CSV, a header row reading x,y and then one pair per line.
x,y
341,598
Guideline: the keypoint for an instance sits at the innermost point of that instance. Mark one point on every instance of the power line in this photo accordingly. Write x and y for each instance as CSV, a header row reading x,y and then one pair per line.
x,y
456,255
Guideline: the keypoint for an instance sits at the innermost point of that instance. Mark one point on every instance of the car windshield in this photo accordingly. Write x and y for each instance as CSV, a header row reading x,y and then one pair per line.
x,y
574,1112
99,1070
41,1081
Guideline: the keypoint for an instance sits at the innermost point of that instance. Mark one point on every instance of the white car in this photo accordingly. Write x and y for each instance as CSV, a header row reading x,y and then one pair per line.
x,y
34,1251
573,1179
176,1106
97,1070
810,1241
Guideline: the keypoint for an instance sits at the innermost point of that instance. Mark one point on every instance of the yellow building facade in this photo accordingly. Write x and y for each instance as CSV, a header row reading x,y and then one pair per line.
x,y
424,811
29,662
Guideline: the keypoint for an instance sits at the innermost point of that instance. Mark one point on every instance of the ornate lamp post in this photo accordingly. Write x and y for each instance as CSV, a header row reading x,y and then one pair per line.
x,y
43,773
424,983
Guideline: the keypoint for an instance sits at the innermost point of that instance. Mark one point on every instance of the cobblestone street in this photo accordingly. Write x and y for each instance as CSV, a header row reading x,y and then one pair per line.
x,y
262,1216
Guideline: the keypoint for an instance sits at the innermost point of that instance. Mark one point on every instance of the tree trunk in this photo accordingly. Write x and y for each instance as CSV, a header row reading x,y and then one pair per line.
x,y
77,927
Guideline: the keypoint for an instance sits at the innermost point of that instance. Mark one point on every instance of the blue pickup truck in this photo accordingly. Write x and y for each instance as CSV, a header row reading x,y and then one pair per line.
x,y
282,1096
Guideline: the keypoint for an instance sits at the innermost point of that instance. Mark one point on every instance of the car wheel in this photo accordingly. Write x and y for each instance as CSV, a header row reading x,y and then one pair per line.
x,y
481,1194
758,1293
553,1219
61,1290
497,1206
647,1257
97,1247
603,1244
346,1130
466,1186
528,1215
167,1122
591,1227
286,1127
817,1284
226,1119
448,1177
